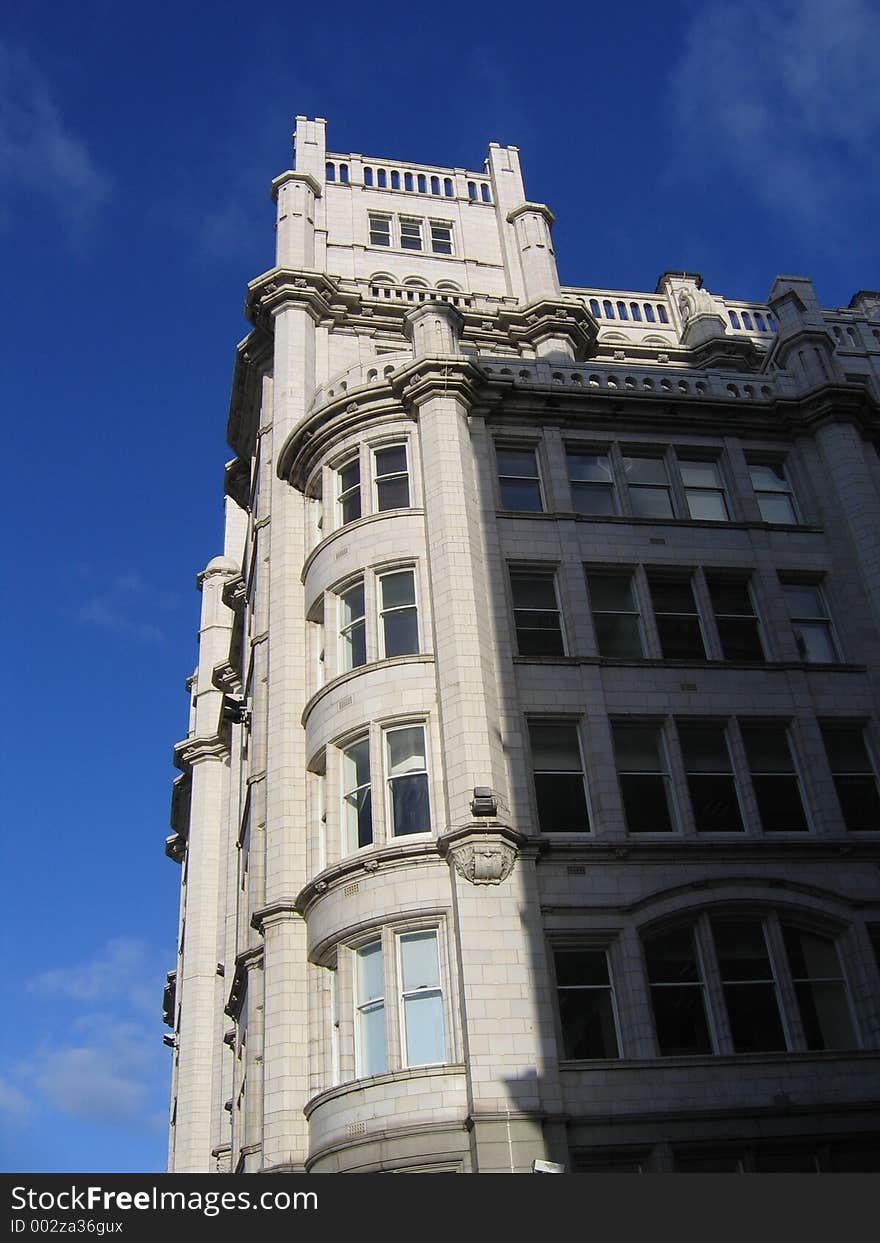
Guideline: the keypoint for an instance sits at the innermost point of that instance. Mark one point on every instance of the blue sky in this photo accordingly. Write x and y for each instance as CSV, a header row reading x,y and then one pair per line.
x,y
136,148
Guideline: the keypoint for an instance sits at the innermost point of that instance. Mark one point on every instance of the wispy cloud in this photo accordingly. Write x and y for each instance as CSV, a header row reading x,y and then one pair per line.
x,y
121,971
107,1077
783,99
40,152
13,1102
120,605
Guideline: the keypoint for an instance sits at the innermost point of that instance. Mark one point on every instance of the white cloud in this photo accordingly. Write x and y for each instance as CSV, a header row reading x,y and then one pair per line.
x,y
40,153
784,98
110,1078
13,1102
119,606
120,972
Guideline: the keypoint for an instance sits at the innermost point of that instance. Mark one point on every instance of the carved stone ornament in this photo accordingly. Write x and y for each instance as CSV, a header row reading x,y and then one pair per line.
x,y
486,863
300,282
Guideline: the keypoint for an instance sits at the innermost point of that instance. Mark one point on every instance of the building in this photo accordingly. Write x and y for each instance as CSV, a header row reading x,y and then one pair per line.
x,y
529,804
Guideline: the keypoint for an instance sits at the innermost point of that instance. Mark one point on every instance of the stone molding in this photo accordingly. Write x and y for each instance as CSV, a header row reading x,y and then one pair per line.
x,y
191,751
548,319
485,853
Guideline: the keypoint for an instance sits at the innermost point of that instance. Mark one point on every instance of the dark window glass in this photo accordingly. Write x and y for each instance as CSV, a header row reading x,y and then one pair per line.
x,y
586,1007
648,487
592,483
349,477
710,778
400,623
559,779
708,1163
408,780
809,621
615,615
735,618
353,629
518,479
678,623
643,778
357,801
820,989
536,614
859,1158
749,987
704,490
854,778
773,493
677,994
774,779
392,480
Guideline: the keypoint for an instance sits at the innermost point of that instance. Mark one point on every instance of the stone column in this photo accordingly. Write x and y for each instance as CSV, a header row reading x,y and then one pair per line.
x,y
205,754
532,223
843,452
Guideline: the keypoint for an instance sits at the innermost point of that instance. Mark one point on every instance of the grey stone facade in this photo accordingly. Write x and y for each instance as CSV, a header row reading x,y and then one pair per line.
x,y
529,803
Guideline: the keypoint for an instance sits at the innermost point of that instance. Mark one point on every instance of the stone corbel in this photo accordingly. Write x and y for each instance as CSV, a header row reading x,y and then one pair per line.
x,y
482,854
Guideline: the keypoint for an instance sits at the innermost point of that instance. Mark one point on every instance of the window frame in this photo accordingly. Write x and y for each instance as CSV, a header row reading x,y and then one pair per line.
x,y
382,611
347,849
403,994
438,244
623,574
514,447
415,222
870,772
777,463
378,217
558,947
586,487
664,772
346,629
531,574
824,621
388,729
344,493
573,724
377,478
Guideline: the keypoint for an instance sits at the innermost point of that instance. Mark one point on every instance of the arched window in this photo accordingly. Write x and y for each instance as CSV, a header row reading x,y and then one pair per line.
x,y
330,172
395,179
740,980
407,181
368,176
422,183
484,193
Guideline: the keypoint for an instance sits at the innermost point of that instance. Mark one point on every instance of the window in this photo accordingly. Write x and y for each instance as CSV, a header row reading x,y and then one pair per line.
x,y
704,490
357,806
678,622
774,779
758,961
410,234
409,808
643,777
820,989
854,777
735,618
518,479
592,483
392,478
536,613
677,993
441,237
810,623
615,615
380,230
710,778
648,487
748,985
586,1004
773,493
399,622
370,990
352,631
559,778
421,1000
349,491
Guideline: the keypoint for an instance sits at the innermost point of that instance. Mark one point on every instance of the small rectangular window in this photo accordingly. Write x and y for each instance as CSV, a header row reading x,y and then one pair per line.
x,y
536,613
749,987
398,613
592,483
410,234
810,623
643,777
854,777
774,779
710,778
586,1004
677,993
380,230
820,989
735,618
348,479
704,490
559,778
518,479
615,615
648,487
409,805
675,611
392,477
357,805
441,237
773,493
421,999
352,631
370,992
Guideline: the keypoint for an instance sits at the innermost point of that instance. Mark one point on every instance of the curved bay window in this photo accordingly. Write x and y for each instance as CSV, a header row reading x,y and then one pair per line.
x,y
408,803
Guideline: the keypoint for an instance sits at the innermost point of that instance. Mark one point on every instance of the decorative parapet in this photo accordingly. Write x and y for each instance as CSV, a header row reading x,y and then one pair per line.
x,y
279,288
484,854
547,321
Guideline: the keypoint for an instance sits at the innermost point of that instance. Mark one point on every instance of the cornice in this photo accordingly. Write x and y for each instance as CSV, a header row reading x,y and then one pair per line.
x,y
443,375
237,482
364,864
191,751
293,175
540,320
524,208
243,963
282,911
317,292
175,847
234,593
181,796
